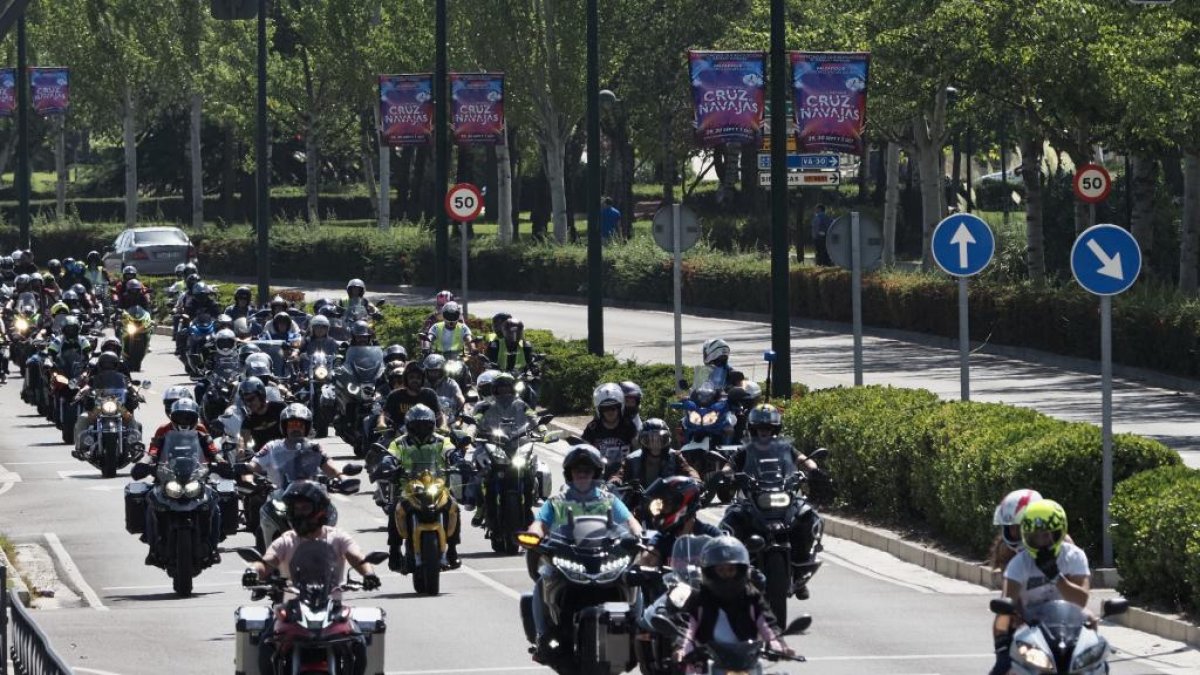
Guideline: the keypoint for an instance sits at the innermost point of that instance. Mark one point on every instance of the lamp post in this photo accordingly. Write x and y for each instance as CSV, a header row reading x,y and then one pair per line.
x,y
263,213
22,177
595,260
781,330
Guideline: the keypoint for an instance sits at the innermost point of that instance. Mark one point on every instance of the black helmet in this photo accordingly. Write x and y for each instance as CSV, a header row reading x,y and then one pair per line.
x,y
190,268
283,317
631,390
395,353
765,415
191,280
296,411
435,368
36,282
7,263
669,502
107,361
111,344
725,550
185,413
499,319
202,288
54,265
79,289
129,272
246,350
252,386
486,383
278,304
361,330
307,506
451,311
584,454
655,435
71,327
93,257
242,293
70,299
420,421
173,394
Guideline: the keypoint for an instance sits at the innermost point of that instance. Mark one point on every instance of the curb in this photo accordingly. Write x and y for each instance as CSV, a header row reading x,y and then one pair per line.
x,y
14,576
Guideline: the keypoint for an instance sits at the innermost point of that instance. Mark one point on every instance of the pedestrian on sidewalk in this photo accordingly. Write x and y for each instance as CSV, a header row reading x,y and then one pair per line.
x,y
820,226
610,220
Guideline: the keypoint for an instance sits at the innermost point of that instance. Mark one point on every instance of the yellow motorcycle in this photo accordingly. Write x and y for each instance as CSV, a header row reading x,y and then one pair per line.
x,y
426,517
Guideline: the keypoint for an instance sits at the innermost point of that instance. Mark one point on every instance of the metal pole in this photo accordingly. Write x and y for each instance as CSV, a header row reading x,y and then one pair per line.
x,y
964,342
385,185
263,215
22,177
594,242
1106,420
4,596
856,294
1004,168
677,284
462,233
441,163
60,167
1091,215
780,325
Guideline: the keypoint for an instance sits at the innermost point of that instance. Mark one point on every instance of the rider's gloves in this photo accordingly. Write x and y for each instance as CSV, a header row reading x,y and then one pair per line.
x,y
250,577
370,582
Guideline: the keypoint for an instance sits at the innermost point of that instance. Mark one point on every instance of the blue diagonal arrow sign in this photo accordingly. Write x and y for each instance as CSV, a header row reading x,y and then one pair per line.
x,y
1106,259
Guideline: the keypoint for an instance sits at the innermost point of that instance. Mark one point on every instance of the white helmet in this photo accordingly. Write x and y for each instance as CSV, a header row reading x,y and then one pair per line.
x,y
1009,512
607,394
714,349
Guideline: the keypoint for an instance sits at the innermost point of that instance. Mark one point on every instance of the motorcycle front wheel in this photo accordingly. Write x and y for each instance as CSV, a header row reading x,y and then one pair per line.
x,y
109,455
182,582
429,569
777,569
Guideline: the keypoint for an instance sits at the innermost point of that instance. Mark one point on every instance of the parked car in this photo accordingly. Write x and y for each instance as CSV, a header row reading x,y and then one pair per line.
x,y
153,250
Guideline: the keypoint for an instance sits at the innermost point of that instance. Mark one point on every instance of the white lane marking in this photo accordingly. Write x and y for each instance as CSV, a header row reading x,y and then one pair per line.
x,y
901,657
487,581
513,669
8,479
81,669
153,586
73,573
51,461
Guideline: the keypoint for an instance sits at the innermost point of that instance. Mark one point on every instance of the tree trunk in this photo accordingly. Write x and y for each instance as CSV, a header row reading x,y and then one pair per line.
x,y
1144,179
194,150
668,167
1031,173
60,167
312,170
129,139
513,147
1189,241
864,163
6,154
228,172
491,172
750,191
504,197
541,211
402,178
933,202
891,203
369,153
555,151
416,197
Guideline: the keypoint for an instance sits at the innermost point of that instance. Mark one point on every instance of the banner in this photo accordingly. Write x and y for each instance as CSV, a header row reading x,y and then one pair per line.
x,y
50,91
830,90
406,109
729,96
8,92
478,108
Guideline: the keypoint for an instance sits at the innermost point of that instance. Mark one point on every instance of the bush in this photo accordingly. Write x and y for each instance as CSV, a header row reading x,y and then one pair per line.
x,y
1156,536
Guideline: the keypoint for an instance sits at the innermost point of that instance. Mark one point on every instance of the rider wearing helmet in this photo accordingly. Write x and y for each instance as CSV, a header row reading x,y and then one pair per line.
x,y
8,269
399,401
447,389
420,449
183,415
439,302
292,457
765,443
318,338
1008,518
25,262
356,297
284,329
241,306
203,300
654,458
727,597
260,413
609,431
669,507
361,334
95,273
69,339
1048,567
133,294
633,402
450,336
716,361
55,268
509,350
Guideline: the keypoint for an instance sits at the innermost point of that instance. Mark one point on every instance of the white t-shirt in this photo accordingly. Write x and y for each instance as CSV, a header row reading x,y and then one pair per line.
x,y
282,548
1035,587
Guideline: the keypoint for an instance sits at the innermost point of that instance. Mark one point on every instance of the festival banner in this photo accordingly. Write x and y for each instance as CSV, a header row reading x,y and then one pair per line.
x,y
50,91
406,109
478,108
830,90
728,91
8,92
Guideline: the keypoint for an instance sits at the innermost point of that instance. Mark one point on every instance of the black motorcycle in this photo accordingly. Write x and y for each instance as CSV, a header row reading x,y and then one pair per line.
x,y
510,480
111,440
220,386
354,393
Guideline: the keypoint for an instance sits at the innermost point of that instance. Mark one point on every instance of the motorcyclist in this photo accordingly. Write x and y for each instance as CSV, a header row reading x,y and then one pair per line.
x,y
450,336
419,449
669,507
110,362
37,286
189,283
1008,519
413,391
385,424
222,348
1047,568
69,339
434,367
318,338
133,294
509,350
765,424
654,458
241,307
395,355
95,273
356,298
50,288
504,404
609,431
633,402
261,414
203,300
716,359
128,274
361,335
171,397
582,494
440,301
73,273
55,269
293,457
728,602
26,263
178,286
283,328
8,269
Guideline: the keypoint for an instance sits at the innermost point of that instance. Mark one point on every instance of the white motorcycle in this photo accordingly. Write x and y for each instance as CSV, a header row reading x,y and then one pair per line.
x,y
1054,639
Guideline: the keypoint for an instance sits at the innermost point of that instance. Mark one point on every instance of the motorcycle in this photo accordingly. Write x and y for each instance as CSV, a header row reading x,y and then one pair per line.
x,y
64,388
703,435
23,330
312,376
220,386
180,504
666,593
1053,639
136,327
272,519
512,479
309,630
111,441
429,517
592,604
193,333
352,395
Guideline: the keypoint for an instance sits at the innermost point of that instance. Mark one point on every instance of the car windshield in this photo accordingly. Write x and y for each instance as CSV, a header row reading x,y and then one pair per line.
x,y
158,237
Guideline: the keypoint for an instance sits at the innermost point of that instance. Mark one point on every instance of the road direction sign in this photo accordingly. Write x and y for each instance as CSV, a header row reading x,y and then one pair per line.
x,y
1106,259
803,178
464,202
797,162
689,231
1092,183
963,245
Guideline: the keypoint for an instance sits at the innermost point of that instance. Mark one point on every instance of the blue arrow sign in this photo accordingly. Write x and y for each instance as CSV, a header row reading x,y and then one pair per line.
x,y
963,245
1106,259
797,162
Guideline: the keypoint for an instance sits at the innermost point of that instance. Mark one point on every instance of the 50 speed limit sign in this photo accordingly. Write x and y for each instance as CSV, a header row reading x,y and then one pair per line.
x,y
1092,183
464,202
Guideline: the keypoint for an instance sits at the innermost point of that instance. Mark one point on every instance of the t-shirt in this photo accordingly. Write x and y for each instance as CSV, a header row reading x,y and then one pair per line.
x,y
1035,587
343,545
614,444
399,401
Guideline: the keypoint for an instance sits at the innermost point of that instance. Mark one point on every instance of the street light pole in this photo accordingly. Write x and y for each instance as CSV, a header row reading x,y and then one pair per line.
x,y
780,325
594,242
263,215
22,177
441,161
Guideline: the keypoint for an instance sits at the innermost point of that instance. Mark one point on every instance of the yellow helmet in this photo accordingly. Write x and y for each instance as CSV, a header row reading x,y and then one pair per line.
x,y
1046,515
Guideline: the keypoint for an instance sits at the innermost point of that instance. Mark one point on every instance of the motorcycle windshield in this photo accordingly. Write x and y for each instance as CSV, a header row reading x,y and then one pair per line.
x,y
110,384
771,466
302,466
226,368
1060,620
590,532
182,454
71,362
273,349
313,571
363,364
735,655
27,302
685,557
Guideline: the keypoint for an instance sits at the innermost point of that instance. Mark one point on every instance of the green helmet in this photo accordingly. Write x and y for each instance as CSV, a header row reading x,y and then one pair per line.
x,y
1046,515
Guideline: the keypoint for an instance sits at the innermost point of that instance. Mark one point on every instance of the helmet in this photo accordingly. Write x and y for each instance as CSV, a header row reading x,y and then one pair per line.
x,y
655,435
583,454
258,365
725,550
173,394
356,283
1009,512
107,361
484,384
242,293
191,280
1046,515
505,381
442,298
50,280
395,353
185,414
631,390
93,258
714,349
281,317
669,502
79,289
71,298
224,321
36,282
434,367
252,386
22,281
202,288
395,376
608,394
71,327
499,319
307,506
420,422
327,307
765,415
133,287
513,329
6,262
111,344
67,262
278,304
129,272
54,265
246,350
451,311
179,270
295,411
225,342
360,329
241,327
318,321
74,267
190,268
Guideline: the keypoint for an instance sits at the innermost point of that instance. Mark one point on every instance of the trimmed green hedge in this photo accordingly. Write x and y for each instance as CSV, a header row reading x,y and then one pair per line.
x,y
1156,536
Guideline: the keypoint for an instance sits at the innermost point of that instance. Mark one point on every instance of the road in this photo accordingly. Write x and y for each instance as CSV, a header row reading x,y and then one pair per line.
x,y
873,613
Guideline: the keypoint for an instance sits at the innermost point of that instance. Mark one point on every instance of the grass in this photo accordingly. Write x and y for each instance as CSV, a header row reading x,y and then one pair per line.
x,y
42,181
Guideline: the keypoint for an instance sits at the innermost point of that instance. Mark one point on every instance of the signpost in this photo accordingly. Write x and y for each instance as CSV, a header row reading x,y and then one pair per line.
x,y
676,229
963,245
857,245
464,202
803,178
1106,260
1092,185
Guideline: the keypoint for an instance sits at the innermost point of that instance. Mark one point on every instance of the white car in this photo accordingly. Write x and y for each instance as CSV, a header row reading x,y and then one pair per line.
x,y
152,250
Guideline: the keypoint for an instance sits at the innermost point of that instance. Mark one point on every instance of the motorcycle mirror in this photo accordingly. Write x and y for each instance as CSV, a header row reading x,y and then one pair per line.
x,y
468,419
382,302
1002,606
755,543
1114,606
140,471
820,454
352,469
472,396
376,557
545,419
572,439
552,436
798,625
349,486
145,384
249,554
663,625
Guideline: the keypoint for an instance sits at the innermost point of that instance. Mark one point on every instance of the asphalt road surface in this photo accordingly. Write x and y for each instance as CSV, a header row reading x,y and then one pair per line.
x,y
873,613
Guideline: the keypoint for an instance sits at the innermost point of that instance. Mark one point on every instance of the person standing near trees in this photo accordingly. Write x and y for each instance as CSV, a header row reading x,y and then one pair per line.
x,y
610,221
820,226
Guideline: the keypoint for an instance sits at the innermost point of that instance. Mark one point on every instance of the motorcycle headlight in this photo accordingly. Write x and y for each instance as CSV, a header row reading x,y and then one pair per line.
x,y
193,488
109,407
1034,657
611,569
352,388
1089,658
710,418
433,489
572,570
321,372
518,461
694,418
655,507
173,489
131,328
774,500
279,506
22,324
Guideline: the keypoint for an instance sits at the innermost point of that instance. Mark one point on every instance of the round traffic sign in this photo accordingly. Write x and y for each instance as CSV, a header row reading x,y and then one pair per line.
x,y
870,243
689,228
963,244
1092,183
464,202
1106,259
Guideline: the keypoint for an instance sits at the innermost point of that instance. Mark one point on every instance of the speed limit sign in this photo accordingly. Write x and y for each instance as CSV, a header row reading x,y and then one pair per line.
x,y
1092,183
464,202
